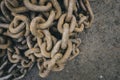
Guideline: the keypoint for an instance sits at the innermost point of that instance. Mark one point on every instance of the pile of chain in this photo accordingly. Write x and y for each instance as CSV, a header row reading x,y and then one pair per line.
x,y
40,32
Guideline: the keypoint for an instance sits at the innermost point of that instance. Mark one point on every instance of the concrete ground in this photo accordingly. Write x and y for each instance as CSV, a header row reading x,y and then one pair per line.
x,y
99,58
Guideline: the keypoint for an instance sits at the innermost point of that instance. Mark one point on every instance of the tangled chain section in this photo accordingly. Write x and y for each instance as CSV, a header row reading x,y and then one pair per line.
x,y
42,33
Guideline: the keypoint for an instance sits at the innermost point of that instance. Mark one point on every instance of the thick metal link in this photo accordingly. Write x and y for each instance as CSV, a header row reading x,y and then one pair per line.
x,y
66,54
4,11
58,67
61,22
56,48
48,39
88,8
14,56
16,9
48,65
65,36
57,7
16,21
70,10
37,8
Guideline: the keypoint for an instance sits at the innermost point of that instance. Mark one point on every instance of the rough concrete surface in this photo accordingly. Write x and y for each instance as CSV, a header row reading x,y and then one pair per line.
x,y
99,58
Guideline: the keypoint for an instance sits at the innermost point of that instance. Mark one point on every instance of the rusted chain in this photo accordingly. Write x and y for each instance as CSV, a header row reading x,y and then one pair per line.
x,y
42,33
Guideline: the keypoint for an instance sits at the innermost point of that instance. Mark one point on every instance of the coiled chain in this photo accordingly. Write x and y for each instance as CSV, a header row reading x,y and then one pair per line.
x,y
42,33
